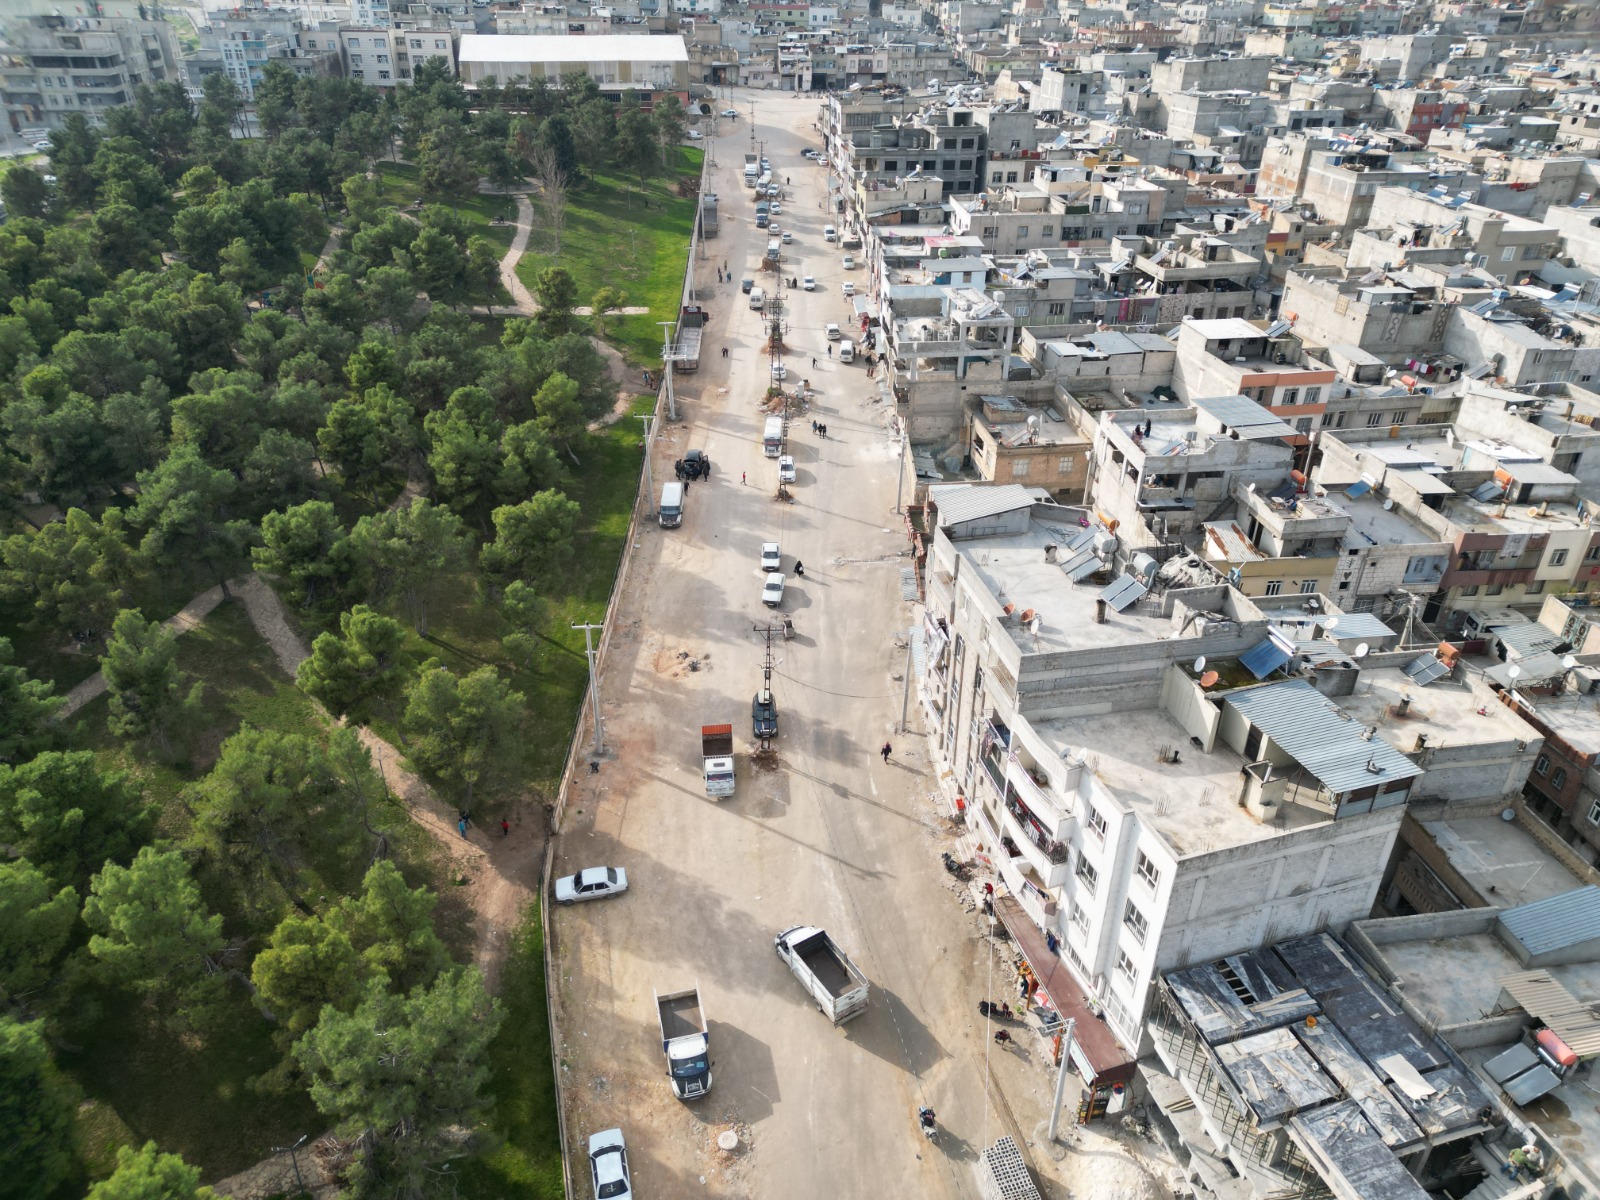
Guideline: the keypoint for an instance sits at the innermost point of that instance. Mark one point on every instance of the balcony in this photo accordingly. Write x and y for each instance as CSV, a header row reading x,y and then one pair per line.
x,y
1022,831
1028,790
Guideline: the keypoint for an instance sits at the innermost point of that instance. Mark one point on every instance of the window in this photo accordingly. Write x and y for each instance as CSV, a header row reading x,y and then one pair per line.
x,y
1080,920
966,143
1057,307
1558,558
1087,875
1019,467
416,43
1022,231
354,42
1303,425
1308,587
1592,554
1535,588
1374,420
383,58
1542,764
1495,589
1470,591
1011,176
1594,813
1274,587
383,74
1134,920
996,176
1508,254
1290,396
1125,967
1559,779
1146,870
438,43
949,165
1094,821
355,60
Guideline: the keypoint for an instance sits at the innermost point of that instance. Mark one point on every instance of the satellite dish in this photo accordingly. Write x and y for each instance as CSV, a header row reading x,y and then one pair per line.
x,y
1569,662
1388,504
1209,679
1200,664
1514,671
1363,650
1331,623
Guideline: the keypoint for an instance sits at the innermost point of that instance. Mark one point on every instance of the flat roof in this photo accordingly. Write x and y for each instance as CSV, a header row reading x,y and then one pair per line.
x,y
602,47
1014,567
1376,525
1571,716
1494,854
1446,711
1192,803
1218,328
1456,979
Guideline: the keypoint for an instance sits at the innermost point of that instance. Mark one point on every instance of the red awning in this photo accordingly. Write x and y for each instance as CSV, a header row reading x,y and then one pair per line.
x,y
1092,1037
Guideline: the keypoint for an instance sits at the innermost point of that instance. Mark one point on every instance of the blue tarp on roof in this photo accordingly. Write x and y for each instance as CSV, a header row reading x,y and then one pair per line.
x,y
1262,660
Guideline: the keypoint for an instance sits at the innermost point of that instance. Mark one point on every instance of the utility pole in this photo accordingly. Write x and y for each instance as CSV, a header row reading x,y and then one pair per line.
x,y
594,682
666,362
1061,1076
905,692
649,479
900,480
766,675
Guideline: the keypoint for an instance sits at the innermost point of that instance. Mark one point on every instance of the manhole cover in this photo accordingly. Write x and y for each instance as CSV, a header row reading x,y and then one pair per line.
x,y
728,1140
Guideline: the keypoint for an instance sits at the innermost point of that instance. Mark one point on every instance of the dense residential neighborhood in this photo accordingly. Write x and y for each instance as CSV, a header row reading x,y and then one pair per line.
x,y
1137,462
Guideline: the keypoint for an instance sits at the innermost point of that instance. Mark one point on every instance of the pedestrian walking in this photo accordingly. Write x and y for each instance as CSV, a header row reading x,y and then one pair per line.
x,y
1002,1037
719,274
461,826
887,750
813,362
505,827
705,464
742,478
824,431
830,351
813,427
799,568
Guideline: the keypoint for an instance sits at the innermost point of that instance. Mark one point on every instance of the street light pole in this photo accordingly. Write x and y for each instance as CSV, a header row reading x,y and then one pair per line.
x,y
294,1158
594,682
649,479
1061,1076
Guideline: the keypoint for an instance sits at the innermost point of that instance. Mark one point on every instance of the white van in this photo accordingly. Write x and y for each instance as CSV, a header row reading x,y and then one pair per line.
x,y
847,351
772,438
670,512
758,298
829,233
833,332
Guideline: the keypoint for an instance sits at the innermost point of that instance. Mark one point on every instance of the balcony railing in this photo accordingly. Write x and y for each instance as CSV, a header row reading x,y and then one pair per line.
x,y
1046,809
1048,856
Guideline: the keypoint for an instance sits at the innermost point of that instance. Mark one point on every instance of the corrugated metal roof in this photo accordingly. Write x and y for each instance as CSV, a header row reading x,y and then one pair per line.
x,y
1363,625
1557,921
1526,638
1321,738
1243,414
1568,1018
961,502
1264,658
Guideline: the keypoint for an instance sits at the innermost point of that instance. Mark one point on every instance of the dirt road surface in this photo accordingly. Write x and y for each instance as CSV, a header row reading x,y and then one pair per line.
x,y
833,836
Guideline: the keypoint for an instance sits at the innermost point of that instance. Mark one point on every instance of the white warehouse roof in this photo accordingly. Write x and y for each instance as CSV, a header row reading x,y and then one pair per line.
x,y
549,48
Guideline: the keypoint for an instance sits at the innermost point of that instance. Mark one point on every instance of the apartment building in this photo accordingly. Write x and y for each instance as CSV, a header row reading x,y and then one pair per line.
x,y
1135,819
241,42
616,62
390,57
54,65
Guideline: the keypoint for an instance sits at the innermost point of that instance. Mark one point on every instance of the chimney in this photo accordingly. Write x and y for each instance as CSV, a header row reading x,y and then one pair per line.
x,y
1100,612
1403,707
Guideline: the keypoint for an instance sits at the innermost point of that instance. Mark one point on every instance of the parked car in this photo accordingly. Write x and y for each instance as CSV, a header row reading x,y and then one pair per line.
x,y
42,147
696,464
786,468
777,209
849,262
829,233
809,283
763,715
772,590
779,371
832,331
848,288
695,135
771,555
786,237
745,285
593,883
608,1163
731,113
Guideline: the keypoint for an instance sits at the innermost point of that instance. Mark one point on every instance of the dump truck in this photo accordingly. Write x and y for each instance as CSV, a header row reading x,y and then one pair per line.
x,y
835,983
716,749
686,349
686,1042
708,216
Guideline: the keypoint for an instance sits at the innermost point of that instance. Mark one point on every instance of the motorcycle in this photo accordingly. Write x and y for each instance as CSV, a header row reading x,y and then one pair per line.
x,y
955,866
928,1122
996,1011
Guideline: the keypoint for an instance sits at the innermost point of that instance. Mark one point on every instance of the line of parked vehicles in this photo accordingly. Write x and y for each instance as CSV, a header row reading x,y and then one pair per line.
x,y
837,987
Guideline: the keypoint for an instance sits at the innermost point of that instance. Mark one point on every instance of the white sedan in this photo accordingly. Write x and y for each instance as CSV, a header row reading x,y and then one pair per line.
x,y
608,1163
849,262
695,135
777,209
771,554
731,113
779,371
808,283
786,468
772,590
787,237
594,883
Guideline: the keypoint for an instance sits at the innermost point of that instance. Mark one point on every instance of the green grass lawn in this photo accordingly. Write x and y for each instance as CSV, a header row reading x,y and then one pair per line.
x,y
527,1164
399,185
612,238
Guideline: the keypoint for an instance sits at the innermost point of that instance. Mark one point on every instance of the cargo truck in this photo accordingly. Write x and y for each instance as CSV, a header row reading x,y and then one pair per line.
x,y
686,1042
835,983
752,169
686,347
716,751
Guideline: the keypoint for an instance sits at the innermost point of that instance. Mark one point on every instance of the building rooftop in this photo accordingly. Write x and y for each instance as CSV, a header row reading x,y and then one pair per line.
x,y
1446,712
1500,859
1571,716
1373,524
1192,803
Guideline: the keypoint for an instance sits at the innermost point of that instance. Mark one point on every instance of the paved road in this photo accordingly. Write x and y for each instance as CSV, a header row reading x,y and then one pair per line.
x,y
833,837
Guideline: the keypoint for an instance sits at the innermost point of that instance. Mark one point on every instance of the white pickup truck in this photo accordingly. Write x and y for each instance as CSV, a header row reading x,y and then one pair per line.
x,y
835,983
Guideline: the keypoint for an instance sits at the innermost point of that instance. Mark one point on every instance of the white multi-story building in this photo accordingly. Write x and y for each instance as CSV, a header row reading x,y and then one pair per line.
x,y
52,65
383,57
